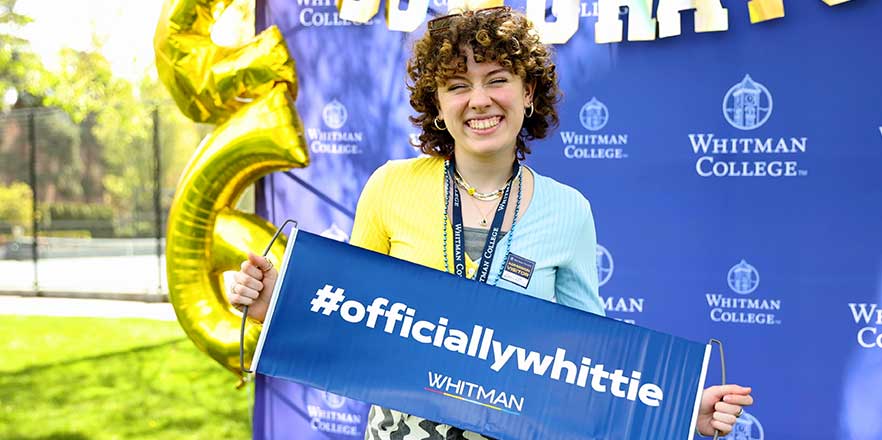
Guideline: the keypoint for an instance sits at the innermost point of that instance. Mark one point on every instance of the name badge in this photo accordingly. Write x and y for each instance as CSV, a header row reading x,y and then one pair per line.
x,y
518,270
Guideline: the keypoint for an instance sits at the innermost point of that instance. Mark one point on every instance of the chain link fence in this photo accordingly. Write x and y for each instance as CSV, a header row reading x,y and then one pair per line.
x,y
82,216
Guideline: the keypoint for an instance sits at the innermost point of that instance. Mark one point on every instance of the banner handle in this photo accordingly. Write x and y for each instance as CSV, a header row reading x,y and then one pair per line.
x,y
245,309
722,373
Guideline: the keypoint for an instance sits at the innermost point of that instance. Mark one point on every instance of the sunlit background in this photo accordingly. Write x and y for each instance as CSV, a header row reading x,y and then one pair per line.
x,y
91,147
86,122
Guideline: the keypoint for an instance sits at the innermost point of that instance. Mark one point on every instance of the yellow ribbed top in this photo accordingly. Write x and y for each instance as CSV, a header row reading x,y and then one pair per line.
x,y
401,213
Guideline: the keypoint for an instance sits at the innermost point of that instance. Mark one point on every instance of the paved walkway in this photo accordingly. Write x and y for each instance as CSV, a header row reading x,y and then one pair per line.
x,y
111,287
29,306
139,275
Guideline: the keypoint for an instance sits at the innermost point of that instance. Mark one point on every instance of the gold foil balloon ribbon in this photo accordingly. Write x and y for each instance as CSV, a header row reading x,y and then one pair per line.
x,y
248,90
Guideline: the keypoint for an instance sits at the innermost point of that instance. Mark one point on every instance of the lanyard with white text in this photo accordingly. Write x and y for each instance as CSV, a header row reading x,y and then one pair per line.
x,y
492,235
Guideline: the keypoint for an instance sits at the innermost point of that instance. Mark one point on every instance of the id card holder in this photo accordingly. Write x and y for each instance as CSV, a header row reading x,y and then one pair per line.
x,y
518,270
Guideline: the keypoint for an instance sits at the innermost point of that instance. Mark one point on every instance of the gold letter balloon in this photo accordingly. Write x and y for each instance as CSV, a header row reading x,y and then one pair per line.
x,y
249,92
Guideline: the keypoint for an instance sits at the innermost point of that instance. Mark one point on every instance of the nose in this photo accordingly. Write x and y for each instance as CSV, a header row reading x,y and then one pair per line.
x,y
479,99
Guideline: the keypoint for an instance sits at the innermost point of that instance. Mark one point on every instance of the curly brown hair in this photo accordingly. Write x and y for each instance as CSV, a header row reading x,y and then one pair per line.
x,y
498,35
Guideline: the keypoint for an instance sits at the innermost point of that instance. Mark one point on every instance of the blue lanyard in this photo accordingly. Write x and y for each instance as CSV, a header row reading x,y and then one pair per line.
x,y
492,235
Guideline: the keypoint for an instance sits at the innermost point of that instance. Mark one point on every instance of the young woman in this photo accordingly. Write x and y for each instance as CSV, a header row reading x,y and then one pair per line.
x,y
482,85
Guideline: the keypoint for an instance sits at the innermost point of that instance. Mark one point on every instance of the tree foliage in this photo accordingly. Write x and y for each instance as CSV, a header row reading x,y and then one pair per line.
x,y
99,147
20,69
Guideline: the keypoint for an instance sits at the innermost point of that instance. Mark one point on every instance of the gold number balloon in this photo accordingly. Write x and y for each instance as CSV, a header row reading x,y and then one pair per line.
x,y
210,82
249,92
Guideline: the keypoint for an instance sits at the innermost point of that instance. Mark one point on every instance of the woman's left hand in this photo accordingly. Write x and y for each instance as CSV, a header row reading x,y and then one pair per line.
x,y
720,408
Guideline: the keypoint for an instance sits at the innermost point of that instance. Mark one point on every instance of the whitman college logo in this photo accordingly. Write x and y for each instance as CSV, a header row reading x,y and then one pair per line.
x,y
333,401
617,304
593,145
323,13
870,316
334,114
743,279
747,106
605,265
746,428
333,419
334,141
594,115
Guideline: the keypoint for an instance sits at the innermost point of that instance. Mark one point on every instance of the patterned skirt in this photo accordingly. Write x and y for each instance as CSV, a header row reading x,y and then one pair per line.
x,y
387,424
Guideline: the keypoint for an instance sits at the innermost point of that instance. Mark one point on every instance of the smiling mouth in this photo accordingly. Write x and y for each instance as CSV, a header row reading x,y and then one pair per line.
x,y
484,124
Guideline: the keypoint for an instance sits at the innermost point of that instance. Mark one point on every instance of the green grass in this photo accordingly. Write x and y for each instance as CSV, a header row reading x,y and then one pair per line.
x,y
92,378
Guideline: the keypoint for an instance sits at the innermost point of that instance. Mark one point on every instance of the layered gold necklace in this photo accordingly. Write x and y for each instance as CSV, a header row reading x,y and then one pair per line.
x,y
484,197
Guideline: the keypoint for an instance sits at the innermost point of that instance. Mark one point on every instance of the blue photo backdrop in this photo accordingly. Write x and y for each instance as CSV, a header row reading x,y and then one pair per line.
x,y
735,178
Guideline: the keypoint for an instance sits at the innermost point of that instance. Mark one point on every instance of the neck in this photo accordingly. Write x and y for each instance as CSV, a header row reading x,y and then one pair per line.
x,y
485,173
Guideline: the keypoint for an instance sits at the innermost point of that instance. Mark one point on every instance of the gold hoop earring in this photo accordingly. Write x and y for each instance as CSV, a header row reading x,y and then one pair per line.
x,y
437,127
531,111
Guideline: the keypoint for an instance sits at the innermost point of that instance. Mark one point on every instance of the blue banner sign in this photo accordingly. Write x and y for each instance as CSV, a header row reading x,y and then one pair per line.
x,y
374,328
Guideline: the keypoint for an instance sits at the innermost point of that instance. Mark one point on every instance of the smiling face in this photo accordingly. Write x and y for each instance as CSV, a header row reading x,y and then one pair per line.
x,y
483,109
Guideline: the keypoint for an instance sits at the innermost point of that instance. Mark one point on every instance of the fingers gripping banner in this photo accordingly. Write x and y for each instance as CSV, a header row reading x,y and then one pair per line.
x,y
471,355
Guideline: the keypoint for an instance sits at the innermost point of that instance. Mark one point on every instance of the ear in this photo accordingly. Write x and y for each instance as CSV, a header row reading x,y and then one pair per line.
x,y
437,102
529,88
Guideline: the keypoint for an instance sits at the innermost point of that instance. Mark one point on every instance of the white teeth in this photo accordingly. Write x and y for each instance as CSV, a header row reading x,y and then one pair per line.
x,y
483,124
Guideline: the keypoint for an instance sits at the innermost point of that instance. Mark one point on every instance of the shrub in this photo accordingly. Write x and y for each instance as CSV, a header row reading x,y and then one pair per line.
x,y
95,218
16,203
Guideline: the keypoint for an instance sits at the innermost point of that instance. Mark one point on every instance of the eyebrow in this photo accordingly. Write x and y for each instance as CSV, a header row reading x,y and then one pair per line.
x,y
491,73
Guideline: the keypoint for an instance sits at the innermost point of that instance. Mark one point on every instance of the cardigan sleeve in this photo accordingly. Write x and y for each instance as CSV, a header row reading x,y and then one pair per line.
x,y
369,230
576,284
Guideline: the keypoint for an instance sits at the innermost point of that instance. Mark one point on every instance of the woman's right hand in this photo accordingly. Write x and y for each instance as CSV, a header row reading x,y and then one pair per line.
x,y
253,286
